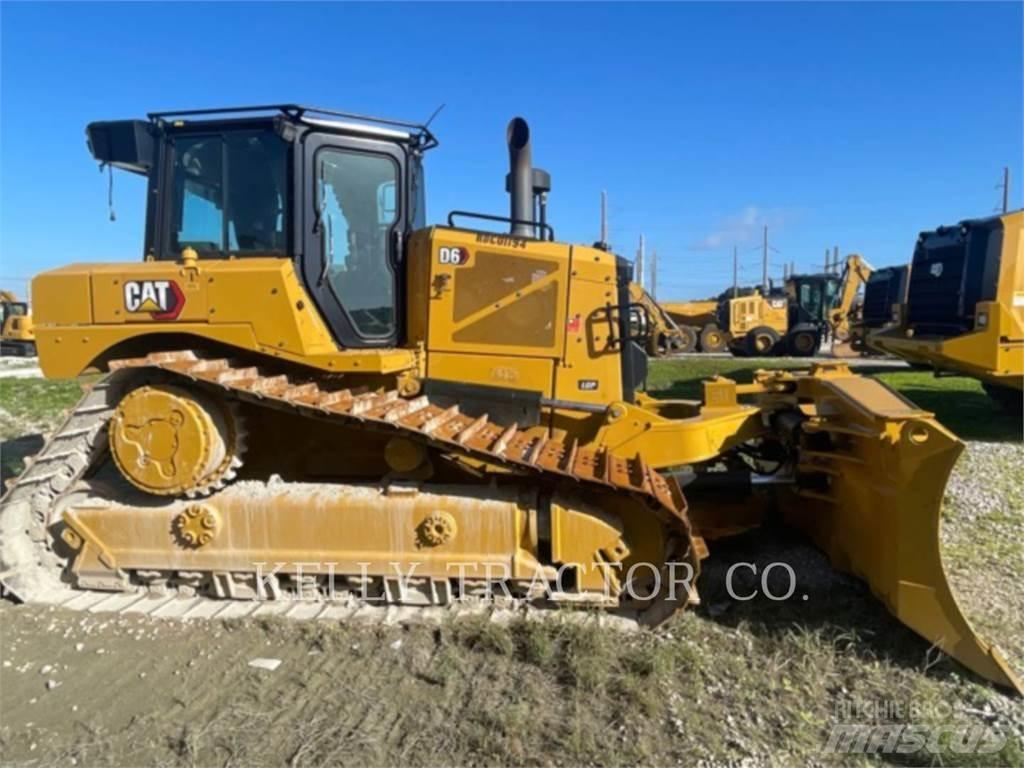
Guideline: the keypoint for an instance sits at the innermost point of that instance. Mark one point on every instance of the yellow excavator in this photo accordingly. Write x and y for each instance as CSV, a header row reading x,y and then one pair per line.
x,y
664,336
17,336
964,306
308,392
845,314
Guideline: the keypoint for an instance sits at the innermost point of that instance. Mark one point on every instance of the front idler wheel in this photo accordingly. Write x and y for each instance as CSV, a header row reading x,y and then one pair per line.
x,y
169,441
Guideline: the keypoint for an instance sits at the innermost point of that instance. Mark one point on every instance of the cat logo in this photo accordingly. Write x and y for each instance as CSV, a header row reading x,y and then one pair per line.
x,y
163,299
936,269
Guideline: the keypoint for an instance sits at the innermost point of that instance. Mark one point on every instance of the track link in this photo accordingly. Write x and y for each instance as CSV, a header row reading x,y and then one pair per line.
x,y
32,571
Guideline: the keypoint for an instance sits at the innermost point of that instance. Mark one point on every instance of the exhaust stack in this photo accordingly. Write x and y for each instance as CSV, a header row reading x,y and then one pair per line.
x,y
520,177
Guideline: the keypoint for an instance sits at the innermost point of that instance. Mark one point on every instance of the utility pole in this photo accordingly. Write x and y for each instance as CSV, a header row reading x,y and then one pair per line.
x,y
604,216
1006,188
835,260
639,270
792,268
735,272
764,264
654,274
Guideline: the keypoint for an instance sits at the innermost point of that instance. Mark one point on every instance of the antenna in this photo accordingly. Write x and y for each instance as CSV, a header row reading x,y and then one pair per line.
x,y
435,114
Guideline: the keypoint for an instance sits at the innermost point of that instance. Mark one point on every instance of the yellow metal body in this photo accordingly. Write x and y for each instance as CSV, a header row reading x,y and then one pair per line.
x,y
254,305
513,315
167,441
17,325
994,350
856,273
693,313
664,333
756,311
436,532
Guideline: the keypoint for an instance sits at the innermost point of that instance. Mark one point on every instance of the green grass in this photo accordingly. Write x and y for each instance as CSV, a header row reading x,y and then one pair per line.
x,y
38,401
959,403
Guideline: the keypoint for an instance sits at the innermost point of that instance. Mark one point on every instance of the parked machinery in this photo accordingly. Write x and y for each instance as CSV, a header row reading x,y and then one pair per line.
x,y
701,318
964,309
664,335
302,374
18,334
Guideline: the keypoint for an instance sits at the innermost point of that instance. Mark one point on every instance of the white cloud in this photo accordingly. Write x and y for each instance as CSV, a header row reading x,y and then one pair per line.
x,y
740,229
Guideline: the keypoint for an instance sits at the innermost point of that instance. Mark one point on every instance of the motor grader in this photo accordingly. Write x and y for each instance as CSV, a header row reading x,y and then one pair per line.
x,y
306,391
964,306
796,319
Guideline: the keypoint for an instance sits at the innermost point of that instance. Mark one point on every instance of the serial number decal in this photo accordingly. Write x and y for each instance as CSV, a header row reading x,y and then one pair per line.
x,y
453,255
162,299
508,240
504,374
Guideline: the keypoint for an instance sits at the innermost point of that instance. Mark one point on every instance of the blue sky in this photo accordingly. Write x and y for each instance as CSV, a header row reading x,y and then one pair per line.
x,y
836,124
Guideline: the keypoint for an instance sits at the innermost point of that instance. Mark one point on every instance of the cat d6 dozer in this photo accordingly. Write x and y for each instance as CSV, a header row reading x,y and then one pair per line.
x,y
307,392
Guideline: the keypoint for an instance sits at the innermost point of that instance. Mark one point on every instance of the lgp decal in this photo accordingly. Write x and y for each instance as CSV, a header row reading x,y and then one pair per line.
x,y
587,385
163,299
454,255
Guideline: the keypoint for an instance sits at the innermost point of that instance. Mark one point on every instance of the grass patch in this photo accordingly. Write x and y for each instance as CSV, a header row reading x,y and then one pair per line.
x,y
37,402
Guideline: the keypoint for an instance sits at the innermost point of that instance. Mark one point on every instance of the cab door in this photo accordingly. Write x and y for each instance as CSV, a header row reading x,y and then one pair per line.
x,y
353,231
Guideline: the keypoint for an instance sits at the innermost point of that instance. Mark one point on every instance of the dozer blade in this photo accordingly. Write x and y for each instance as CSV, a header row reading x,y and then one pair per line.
x,y
872,473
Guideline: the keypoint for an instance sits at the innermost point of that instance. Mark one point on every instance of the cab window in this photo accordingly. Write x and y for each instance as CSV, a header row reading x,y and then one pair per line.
x,y
356,209
229,194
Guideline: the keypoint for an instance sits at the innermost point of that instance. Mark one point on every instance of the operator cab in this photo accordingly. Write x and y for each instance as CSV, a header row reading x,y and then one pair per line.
x,y
811,298
336,193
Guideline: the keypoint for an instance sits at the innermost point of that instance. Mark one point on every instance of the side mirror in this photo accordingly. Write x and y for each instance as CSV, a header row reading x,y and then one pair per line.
x,y
125,144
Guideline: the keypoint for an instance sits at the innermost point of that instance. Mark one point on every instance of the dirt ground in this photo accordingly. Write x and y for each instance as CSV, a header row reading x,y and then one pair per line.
x,y
754,683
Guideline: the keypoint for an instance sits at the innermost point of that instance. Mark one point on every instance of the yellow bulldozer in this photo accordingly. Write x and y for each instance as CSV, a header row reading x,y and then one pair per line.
x,y
17,337
964,306
309,395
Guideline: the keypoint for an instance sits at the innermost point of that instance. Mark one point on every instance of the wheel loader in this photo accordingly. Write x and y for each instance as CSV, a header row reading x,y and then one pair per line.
x,y
308,396
17,336
964,308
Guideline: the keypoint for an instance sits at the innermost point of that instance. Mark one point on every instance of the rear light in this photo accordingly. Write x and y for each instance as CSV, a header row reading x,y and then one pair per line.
x,y
981,320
